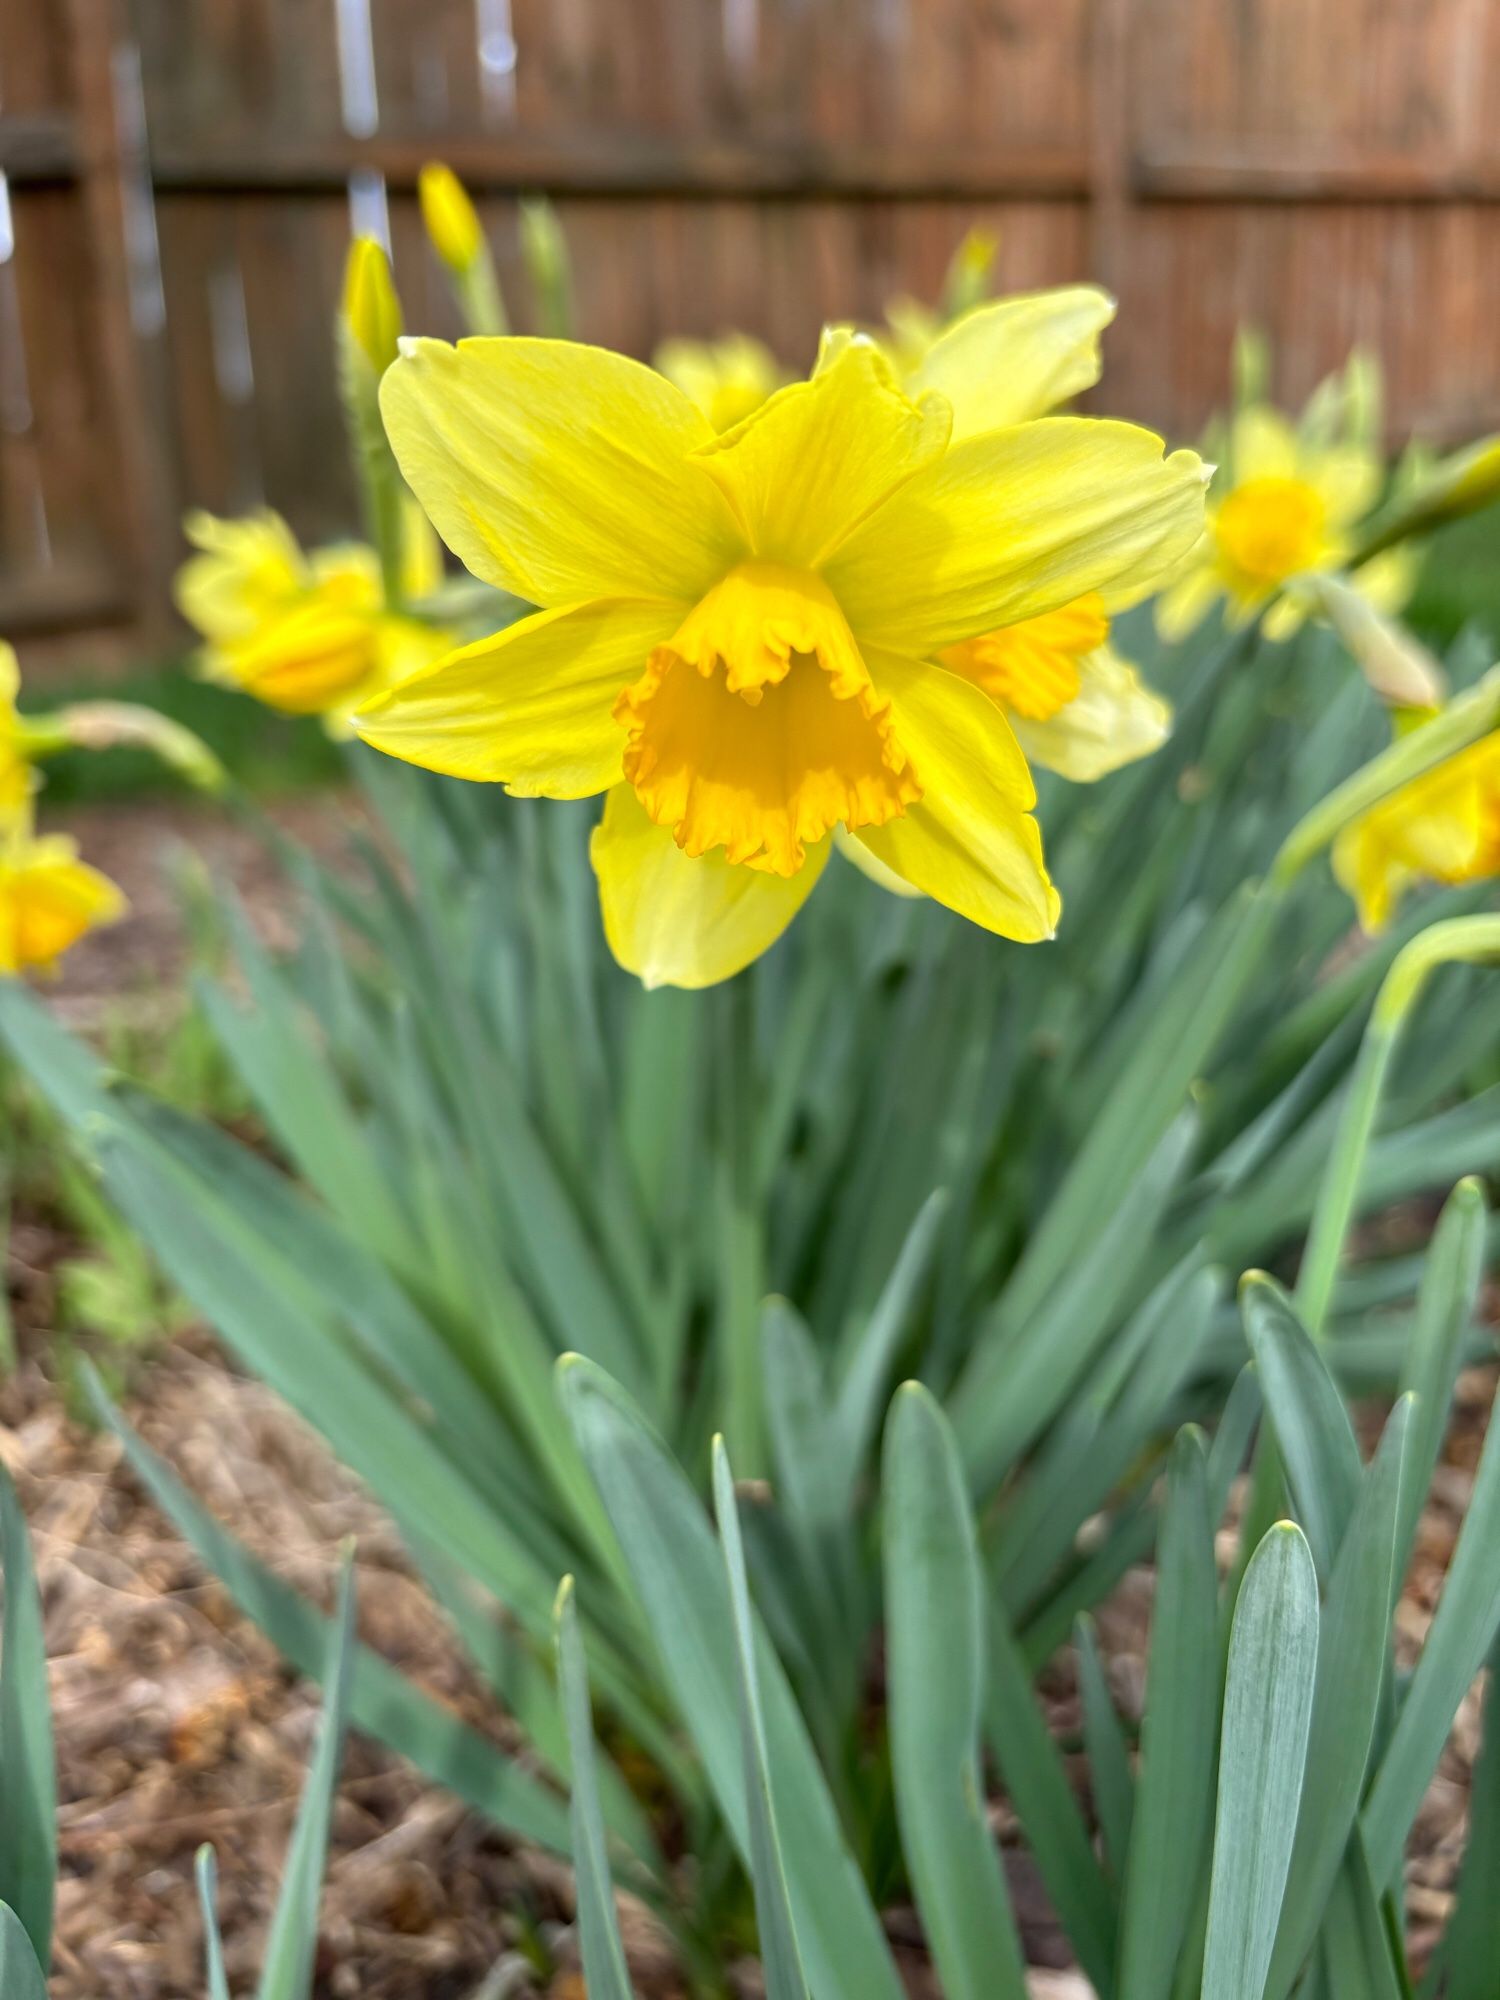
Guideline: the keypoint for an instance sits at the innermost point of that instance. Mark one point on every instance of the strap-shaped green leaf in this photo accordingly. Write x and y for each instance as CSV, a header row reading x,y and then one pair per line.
x,y
935,1668
20,1975
206,1877
1175,1786
780,1958
604,1967
1445,1312
1268,1696
679,1578
1471,1946
1110,1775
1313,1430
1353,1661
291,1949
28,1774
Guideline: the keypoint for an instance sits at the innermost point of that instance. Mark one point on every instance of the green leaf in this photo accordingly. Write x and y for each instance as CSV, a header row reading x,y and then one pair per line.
x,y
780,1958
383,1702
1109,1759
292,1947
1353,1661
206,1875
1268,1696
1360,1950
870,1351
1445,1312
604,1967
28,1775
936,1676
20,1975
679,1579
1471,1946
1175,1785
1036,1778
1461,1634
1313,1430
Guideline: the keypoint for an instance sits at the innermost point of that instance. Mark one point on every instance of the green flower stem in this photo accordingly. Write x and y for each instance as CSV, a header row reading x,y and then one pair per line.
x,y
740,1250
380,488
1459,941
481,303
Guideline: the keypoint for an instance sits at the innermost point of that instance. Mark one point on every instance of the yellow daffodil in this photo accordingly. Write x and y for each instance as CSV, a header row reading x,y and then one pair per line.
x,y
48,898
1443,827
738,631
450,218
727,378
307,634
1284,505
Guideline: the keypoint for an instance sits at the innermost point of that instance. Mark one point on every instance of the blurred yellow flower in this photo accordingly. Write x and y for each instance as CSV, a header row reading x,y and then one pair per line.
x,y
1284,504
372,312
739,630
451,220
1443,827
726,378
15,768
309,635
48,898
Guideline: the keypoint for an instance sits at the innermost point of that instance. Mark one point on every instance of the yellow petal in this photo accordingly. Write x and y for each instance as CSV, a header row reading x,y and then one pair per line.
x,y
678,920
855,852
1188,598
970,841
530,707
1017,358
48,900
1114,719
245,570
1262,445
821,456
10,676
1348,479
1015,523
556,471
453,227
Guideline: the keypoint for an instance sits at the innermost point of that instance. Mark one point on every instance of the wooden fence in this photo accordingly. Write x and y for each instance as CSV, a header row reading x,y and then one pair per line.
x,y
181,175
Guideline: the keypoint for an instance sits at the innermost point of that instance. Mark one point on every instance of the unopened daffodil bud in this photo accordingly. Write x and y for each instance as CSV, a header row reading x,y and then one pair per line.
x,y
449,216
372,312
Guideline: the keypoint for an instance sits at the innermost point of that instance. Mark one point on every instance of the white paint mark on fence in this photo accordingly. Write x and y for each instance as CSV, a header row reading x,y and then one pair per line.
x,y
358,98
15,387
229,328
148,305
369,211
741,31
495,46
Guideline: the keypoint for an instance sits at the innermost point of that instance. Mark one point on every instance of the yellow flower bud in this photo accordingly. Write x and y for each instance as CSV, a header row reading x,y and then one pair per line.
x,y
451,221
372,312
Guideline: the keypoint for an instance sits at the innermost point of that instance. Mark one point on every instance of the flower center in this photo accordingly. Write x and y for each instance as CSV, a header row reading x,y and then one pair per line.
x,y
1269,529
305,662
1032,668
756,727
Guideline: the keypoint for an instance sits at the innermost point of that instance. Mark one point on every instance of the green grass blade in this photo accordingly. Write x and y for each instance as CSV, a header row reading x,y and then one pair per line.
x,y
20,1975
206,1876
28,1772
1471,1948
1353,1661
1110,1776
292,1947
780,1959
604,1967
679,1579
1458,1640
1313,1431
383,1703
1175,1787
936,1674
1268,1697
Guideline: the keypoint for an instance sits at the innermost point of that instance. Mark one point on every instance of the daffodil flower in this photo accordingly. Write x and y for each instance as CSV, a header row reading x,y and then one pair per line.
x,y
1443,827
1284,505
738,632
306,634
728,378
15,766
48,898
